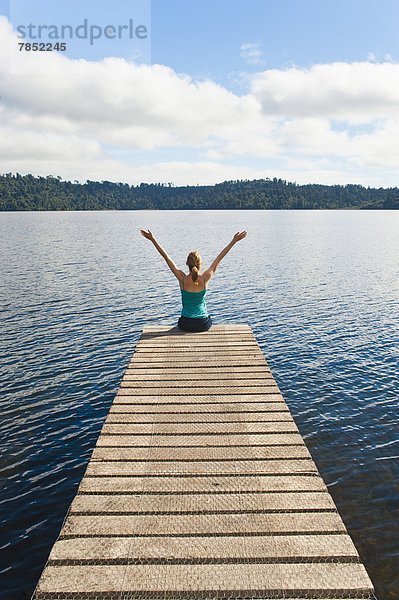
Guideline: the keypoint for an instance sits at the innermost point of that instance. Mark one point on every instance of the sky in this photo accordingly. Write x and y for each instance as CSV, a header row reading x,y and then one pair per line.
x,y
208,91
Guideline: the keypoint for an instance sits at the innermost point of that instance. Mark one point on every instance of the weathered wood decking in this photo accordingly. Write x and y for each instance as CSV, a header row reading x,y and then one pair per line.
x,y
200,486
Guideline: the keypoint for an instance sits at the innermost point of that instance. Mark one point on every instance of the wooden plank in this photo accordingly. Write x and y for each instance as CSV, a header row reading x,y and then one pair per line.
x,y
203,417
197,342
182,335
200,486
198,339
225,329
222,467
200,336
197,524
242,341
249,579
199,383
159,362
199,428
74,580
151,453
254,579
127,389
125,405
254,547
178,378
203,343
204,346
246,346
125,396
199,503
181,372
215,328
199,353
271,439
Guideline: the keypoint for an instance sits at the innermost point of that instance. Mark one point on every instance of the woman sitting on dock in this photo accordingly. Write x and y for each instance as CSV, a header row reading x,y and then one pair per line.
x,y
193,287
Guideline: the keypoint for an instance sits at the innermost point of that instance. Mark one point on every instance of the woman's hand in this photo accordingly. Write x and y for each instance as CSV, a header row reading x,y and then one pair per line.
x,y
240,235
147,234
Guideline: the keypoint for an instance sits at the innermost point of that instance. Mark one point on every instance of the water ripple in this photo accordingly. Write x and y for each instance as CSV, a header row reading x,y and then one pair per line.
x,y
320,290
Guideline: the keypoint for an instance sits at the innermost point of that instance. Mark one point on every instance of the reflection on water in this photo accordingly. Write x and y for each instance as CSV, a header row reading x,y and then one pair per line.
x,y
320,290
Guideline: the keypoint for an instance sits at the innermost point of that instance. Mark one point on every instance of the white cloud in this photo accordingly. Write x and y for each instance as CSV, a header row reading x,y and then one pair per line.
x,y
141,106
252,53
355,92
330,123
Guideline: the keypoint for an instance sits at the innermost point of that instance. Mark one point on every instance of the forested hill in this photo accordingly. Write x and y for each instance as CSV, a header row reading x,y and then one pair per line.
x,y
27,192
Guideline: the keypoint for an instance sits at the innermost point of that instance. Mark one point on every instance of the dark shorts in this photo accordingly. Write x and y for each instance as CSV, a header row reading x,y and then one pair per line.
x,y
187,324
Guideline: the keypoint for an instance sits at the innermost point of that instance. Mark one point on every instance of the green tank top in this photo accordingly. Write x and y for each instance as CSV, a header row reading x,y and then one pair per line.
x,y
194,304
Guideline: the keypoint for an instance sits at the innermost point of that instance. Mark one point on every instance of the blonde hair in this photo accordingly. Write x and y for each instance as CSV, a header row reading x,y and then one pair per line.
x,y
194,262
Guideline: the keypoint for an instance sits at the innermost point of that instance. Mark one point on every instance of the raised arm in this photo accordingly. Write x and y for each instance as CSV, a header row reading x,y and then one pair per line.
x,y
171,264
240,235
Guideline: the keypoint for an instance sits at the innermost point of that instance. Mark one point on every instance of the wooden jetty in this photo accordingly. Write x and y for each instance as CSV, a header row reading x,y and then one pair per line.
x,y
200,486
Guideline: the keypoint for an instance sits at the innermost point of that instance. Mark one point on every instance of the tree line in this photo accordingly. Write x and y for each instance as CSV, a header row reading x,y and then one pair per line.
x,y
27,192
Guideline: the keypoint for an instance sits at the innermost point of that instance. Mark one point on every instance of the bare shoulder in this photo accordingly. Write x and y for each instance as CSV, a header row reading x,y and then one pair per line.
x,y
207,275
181,278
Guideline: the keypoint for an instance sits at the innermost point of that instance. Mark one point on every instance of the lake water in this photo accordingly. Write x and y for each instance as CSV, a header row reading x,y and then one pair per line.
x,y
320,290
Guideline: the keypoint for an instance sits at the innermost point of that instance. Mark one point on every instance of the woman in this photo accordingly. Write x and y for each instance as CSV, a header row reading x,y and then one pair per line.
x,y
193,287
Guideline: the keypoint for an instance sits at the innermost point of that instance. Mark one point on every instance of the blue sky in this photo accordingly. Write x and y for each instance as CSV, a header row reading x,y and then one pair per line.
x,y
302,89
203,38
